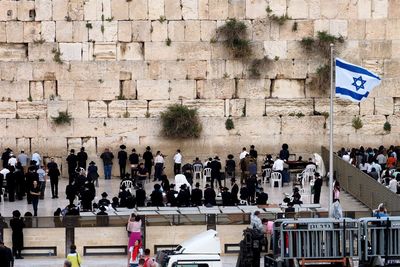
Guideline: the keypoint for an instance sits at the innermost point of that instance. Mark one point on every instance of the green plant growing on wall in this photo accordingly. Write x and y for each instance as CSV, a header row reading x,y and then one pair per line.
x,y
229,125
67,18
39,41
63,118
89,25
277,19
235,33
321,44
168,41
179,121
102,28
295,26
57,56
110,19
387,127
257,65
126,114
322,78
162,19
357,123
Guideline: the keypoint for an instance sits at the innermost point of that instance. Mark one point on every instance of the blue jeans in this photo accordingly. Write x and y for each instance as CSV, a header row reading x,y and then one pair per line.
x,y
107,171
35,202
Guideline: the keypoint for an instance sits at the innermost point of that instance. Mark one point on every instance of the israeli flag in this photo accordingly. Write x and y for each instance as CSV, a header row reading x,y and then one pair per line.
x,y
353,82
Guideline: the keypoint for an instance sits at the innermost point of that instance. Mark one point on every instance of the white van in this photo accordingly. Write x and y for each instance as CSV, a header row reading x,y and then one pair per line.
x,y
202,250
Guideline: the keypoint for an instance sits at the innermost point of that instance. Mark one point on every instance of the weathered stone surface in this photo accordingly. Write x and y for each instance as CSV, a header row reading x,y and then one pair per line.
x,y
88,90
31,31
192,31
253,88
31,110
219,89
129,51
303,125
158,106
235,69
129,89
380,9
173,9
120,9
23,9
141,31
36,90
79,31
160,31
8,109
125,31
190,9
297,9
392,68
136,108
341,107
367,106
43,10
393,11
288,88
15,31
176,31
364,9
156,9
104,51
160,51
184,89
152,89
207,30
138,10
48,31
97,109
71,51
237,9
329,9
63,31
375,29
13,52
3,33
255,8
384,106
338,27
78,109
207,108
286,107
356,29
236,107
255,107
117,109
218,9
8,89
275,49
54,107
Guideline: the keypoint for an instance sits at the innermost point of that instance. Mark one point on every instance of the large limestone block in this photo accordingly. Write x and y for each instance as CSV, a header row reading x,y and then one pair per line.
x,y
125,31
95,33
192,31
173,9
380,9
375,49
54,107
78,109
36,90
275,49
393,11
60,9
3,33
31,110
138,10
125,127
23,10
79,31
207,107
48,31
120,9
235,68
176,31
90,9
305,28
117,109
156,9
216,69
158,106
71,51
356,29
261,29
220,88
64,31
329,9
193,51
207,30
392,29
44,10
152,89
367,106
297,9
76,10
160,31
256,9
341,107
218,9
203,9
276,107
392,68
141,31
364,9
13,52
237,9
196,70
97,109
255,108
8,109
338,27
278,7
8,90
303,125
237,107
129,89
288,88
129,51
15,31
384,105
8,10
88,90
375,29
253,88
25,127
184,89
160,51
136,108
110,31
106,9
104,51
31,31
12,72
88,127
190,9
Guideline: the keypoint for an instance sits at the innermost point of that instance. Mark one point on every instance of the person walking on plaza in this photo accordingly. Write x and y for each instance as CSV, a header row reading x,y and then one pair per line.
x,y
177,162
54,174
122,159
135,253
74,257
82,158
107,156
317,188
35,194
17,226
72,161
148,160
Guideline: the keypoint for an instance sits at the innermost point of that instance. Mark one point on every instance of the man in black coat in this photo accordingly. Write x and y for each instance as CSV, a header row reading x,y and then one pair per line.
x,y
262,197
183,196
72,161
209,196
317,187
140,196
171,196
234,191
197,195
122,159
82,158
156,196
216,167
6,257
226,197
251,184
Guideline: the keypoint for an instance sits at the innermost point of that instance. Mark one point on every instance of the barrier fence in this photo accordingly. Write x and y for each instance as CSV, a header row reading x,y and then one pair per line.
x,y
361,186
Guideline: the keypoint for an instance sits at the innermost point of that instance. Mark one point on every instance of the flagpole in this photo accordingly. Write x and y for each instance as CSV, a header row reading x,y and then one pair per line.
x,y
331,137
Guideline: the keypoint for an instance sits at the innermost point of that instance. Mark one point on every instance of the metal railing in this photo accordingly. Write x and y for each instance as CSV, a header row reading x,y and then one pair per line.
x,y
361,186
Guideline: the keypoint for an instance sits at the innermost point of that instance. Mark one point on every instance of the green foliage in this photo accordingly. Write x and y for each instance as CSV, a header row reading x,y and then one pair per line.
x,y
297,114
110,19
121,97
57,56
321,43
168,41
102,28
30,98
279,19
162,19
67,18
235,33
89,25
259,64
39,41
147,114
126,114
325,114
322,79
357,123
63,118
229,125
295,26
307,42
179,121
387,127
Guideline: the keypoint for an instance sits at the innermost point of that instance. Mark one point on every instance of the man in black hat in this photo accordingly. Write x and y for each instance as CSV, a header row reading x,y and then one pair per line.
x,y
148,160
156,196
230,166
134,161
122,158
104,201
197,195
5,157
183,196
82,158
226,197
6,257
209,196
234,191
107,156
171,196
140,195
262,197
215,166
72,161
317,187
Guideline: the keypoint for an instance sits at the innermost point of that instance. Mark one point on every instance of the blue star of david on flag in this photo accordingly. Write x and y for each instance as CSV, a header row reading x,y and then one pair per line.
x,y
358,83
353,82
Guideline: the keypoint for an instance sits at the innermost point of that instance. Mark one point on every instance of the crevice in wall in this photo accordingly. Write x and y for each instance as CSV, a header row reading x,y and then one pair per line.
x,y
271,87
236,88
30,145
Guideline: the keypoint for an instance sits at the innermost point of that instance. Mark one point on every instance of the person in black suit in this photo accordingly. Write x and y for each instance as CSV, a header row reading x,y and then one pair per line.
x,y
209,196
216,167
262,197
140,196
197,195
234,191
317,187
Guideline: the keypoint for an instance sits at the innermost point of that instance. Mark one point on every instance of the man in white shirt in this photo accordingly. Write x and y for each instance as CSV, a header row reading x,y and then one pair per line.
x,y
158,166
393,185
278,165
37,158
23,159
377,167
12,161
243,154
255,221
42,180
177,162
381,158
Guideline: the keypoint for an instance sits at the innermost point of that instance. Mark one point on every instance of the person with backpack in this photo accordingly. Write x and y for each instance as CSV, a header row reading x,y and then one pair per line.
x,y
74,257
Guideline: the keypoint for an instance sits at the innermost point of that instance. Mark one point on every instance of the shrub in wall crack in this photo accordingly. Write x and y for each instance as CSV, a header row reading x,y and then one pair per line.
x,y
229,125
179,121
63,118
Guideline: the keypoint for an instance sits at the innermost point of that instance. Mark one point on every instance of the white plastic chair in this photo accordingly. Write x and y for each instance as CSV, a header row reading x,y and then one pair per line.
x,y
276,177
206,174
197,171
127,183
180,179
267,174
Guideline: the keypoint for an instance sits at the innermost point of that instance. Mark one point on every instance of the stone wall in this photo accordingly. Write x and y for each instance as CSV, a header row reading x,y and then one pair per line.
x,y
118,73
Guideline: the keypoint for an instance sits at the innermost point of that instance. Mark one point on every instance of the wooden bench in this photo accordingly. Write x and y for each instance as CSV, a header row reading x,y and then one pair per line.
x,y
39,251
104,250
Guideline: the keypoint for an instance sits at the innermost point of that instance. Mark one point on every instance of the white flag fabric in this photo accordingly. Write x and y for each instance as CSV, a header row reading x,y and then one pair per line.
x,y
353,82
